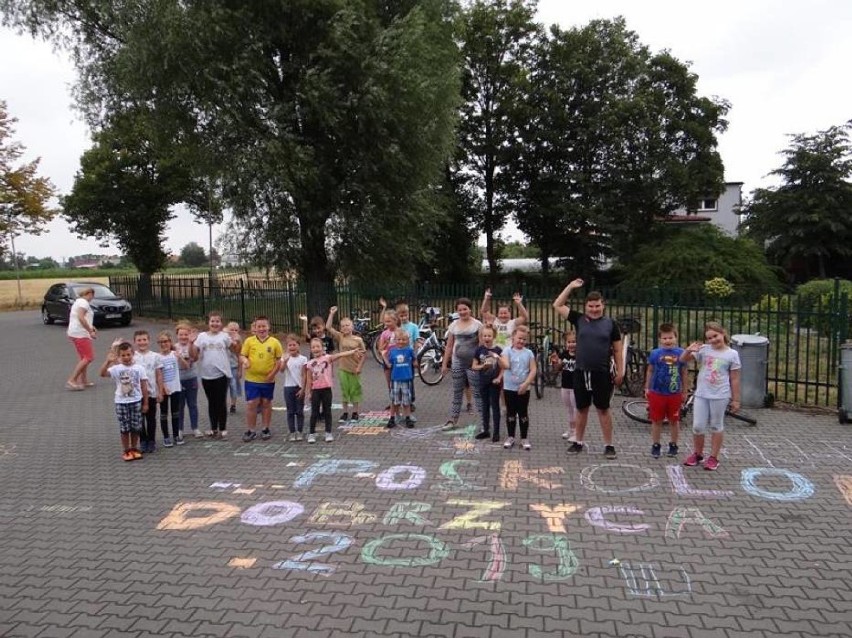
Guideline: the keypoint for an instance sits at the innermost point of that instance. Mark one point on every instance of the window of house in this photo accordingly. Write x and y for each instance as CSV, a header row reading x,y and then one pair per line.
x,y
708,204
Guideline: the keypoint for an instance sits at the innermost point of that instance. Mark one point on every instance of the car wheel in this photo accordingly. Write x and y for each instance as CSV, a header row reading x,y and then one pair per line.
x,y
45,317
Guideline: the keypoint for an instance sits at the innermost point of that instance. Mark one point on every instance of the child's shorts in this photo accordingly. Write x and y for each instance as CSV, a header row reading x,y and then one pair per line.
x,y
259,391
400,392
350,387
129,417
664,407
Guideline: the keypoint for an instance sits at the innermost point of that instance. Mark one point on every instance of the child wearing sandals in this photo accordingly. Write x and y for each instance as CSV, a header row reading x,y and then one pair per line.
x,y
519,365
131,396
718,384
567,364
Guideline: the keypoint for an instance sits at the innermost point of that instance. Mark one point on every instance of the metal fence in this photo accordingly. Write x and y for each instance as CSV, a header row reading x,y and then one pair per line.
x,y
804,334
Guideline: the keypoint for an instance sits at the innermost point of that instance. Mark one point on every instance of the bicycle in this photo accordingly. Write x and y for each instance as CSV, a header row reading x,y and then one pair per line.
x,y
635,360
637,409
547,373
362,325
430,359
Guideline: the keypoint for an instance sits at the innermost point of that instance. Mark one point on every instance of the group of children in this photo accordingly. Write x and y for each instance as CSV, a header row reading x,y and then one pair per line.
x,y
491,356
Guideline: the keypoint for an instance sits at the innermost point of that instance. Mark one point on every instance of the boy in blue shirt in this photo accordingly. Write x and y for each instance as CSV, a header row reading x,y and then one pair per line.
x,y
400,360
665,379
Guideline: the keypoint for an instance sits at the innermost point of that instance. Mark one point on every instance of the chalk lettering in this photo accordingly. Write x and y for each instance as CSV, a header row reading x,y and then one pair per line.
x,y
597,516
344,513
271,513
387,479
681,487
305,560
801,489
568,562
513,472
469,520
555,516
683,516
587,479
407,511
332,466
182,516
438,551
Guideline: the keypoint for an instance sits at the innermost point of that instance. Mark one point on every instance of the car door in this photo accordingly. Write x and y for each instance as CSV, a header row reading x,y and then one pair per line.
x,y
61,305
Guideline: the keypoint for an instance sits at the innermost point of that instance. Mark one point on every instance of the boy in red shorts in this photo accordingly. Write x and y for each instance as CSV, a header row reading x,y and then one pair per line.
x,y
665,380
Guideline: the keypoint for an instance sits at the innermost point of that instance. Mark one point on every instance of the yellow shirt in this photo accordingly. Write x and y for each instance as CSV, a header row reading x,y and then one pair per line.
x,y
262,356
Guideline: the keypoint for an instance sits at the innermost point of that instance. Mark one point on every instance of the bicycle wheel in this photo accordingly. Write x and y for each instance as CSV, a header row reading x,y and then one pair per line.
x,y
374,348
429,365
634,374
741,416
538,380
636,410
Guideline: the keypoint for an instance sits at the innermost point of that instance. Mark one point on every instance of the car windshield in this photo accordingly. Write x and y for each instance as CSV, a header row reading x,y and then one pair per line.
x,y
101,291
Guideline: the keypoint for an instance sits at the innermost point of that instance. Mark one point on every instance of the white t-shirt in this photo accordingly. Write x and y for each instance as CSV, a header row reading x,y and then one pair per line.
x,y
503,332
714,372
75,328
171,373
213,361
151,362
128,382
293,371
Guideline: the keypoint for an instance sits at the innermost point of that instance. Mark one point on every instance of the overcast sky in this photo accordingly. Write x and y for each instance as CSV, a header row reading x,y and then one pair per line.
x,y
783,65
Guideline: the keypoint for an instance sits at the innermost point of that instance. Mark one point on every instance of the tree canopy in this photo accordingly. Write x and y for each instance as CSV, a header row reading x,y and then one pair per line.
x,y
806,222
24,195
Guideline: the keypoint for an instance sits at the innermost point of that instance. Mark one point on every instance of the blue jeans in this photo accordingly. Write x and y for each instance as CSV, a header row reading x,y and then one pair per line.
x,y
490,394
189,398
295,408
234,389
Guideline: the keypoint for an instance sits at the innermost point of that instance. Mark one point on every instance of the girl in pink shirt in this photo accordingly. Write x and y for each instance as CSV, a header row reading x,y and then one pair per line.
x,y
318,390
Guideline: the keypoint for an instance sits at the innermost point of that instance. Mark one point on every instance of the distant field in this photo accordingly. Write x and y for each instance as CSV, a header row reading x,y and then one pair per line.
x,y
32,291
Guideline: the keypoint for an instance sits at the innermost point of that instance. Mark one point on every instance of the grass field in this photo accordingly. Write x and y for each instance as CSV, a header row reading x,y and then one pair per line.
x,y
32,291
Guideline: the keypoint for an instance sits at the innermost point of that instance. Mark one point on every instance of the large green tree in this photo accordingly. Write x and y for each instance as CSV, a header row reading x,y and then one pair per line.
x,y
24,195
325,123
497,38
126,187
806,222
613,138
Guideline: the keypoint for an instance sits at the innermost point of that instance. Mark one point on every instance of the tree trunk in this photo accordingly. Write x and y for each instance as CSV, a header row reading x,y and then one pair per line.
x,y
316,271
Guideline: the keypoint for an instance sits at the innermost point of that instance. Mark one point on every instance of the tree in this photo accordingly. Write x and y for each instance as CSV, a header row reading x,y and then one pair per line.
x,y
497,37
126,186
327,122
684,258
613,138
192,255
806,222
23,195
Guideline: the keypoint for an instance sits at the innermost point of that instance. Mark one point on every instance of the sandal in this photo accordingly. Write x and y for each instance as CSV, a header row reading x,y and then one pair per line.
x,y
136,454
128,456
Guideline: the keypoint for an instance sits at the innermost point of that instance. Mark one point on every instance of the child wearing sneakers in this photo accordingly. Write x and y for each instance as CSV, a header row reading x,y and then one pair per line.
x,y
171,401
349,373
318,389
486,360
293,367
154,369
399,359
260,358
665,379
520,370
131,396
567,364
718,384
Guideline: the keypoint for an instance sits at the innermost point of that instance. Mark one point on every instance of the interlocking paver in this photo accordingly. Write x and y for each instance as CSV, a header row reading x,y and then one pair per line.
x,y
93,544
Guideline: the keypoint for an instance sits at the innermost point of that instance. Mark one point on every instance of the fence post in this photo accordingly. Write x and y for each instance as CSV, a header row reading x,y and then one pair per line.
x,y
203,303
242,302
167,288
655,314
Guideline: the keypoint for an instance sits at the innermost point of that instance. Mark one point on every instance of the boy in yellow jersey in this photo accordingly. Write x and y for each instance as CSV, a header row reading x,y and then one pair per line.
x,y
260,358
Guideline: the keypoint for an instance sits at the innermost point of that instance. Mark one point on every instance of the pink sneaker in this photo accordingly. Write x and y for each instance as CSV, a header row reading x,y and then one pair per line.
x,y
711,463
693,459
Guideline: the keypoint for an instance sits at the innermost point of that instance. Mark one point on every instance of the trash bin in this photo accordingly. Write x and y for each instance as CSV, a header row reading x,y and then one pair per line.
x,y
844,385
754,356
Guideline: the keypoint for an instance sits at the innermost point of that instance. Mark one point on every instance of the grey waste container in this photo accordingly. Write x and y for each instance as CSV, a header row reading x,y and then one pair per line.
x,y
844,399
754,356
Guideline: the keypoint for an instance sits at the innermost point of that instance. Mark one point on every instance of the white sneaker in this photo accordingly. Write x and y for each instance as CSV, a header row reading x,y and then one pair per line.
x,y
569,436
526,444
312,438
292,437
198,434
299,436
223,434
510,442
329,437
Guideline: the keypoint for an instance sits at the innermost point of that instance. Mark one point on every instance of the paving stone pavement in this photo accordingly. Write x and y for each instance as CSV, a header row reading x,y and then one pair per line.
x,y
410,532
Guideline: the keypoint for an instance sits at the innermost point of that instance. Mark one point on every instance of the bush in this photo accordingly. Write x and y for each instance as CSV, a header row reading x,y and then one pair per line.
x,y
817,296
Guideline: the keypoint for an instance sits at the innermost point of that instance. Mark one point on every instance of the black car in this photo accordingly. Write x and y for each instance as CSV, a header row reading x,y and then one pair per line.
x,y
107,306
